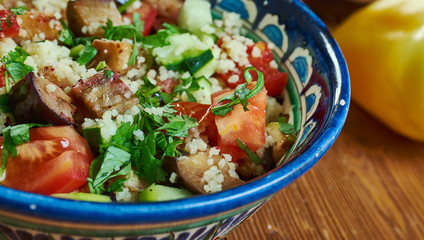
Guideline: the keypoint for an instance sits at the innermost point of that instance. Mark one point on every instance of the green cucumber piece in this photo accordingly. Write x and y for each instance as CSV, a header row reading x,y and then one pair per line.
x,y
194,15
203,95
90,197
195,63
158,193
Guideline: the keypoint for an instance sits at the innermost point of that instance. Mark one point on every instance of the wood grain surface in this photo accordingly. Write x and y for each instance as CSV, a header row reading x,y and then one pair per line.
x,y
369,185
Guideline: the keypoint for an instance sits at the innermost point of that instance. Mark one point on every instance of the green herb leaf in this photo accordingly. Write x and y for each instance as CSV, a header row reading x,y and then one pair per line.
x,y
126,5
252,156
66,36
86,54
102,65
108,73
18,10
14,63
120,32
178,126
18,70
9,21
134,54
285,127
138,23
241,94
160,39
114,162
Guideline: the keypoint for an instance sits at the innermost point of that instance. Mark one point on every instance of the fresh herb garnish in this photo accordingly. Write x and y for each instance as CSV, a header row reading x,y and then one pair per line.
x,y
14,63
18,10
285,127
86,54
108,73
14,136
134,54
129,31
241,94
121,32
126,5
9,21
113,162
160,129
252,156
81,49
187,86
66,36
160,39
178,126
103,66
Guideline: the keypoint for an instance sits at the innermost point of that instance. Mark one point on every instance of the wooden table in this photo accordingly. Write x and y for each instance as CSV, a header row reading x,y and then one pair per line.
x,y
369,185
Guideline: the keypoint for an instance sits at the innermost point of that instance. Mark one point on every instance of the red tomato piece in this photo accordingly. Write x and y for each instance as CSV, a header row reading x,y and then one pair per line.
x,y
2,77
148,15
9,27
50,163
248,126
202,113
275,81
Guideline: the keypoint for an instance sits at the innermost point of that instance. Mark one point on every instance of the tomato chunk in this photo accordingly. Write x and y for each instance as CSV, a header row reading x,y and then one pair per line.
x,y
55,160
260,57
148,15
248,126
9,27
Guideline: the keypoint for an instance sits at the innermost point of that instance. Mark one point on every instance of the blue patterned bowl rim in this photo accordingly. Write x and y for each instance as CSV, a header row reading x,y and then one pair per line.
x,y
205,205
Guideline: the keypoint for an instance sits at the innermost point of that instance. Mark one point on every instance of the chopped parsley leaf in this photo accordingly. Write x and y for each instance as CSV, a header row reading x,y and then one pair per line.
x,y
14,63
18,10
241,94
252,156
285,127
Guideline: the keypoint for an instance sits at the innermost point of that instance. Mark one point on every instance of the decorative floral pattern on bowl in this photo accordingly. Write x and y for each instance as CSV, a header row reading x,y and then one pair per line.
x,y
318,94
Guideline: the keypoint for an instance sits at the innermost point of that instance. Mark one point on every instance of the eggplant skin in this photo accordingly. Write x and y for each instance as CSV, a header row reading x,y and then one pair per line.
x,y
29,106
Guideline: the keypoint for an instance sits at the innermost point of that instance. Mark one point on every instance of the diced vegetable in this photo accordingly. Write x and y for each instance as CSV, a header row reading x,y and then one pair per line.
x,y
9,26
282,142
34,99
116,54
89,197
86,16
248,126
36,24
147,15
190,171
55,160
157,193
194,15
186,53
101,93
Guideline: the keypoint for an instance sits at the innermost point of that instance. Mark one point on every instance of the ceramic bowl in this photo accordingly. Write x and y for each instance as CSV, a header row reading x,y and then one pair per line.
x,y
319,94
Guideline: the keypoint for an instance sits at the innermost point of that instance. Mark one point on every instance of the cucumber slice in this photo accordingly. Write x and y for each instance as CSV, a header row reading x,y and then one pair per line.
x,y
194,15
83,197
157,193
203,95
195,63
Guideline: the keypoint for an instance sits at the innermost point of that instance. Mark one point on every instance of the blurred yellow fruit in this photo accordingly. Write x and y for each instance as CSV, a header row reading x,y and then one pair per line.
x,y
383,44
